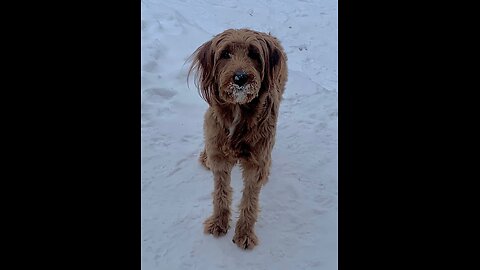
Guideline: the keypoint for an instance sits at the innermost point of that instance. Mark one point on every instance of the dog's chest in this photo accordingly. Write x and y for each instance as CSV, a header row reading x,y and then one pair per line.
x,y
237,138
236,117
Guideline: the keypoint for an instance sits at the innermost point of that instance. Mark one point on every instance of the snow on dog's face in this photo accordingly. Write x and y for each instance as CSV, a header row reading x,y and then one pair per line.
x,y
238,68
235,66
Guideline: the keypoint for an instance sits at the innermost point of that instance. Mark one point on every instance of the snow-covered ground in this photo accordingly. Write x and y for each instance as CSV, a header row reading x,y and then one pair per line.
x,y
297,225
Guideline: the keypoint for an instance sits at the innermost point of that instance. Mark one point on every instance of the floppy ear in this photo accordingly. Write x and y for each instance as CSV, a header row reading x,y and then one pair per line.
x,y
274,62
202,65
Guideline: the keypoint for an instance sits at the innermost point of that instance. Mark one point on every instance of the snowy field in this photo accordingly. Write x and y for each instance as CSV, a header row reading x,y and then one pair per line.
x,y
297,225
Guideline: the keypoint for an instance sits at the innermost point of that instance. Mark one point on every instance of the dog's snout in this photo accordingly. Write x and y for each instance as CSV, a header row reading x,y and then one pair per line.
x,y
240,78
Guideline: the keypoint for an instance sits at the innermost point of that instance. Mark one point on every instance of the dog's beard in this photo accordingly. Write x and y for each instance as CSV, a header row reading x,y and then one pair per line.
x,y
242,94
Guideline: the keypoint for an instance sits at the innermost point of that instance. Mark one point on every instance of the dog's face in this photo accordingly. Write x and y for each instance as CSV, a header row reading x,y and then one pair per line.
x,y
238,69
236,65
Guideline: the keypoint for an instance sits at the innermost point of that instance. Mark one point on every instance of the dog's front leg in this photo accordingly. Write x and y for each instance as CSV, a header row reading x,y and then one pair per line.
x,y
253,176
218,223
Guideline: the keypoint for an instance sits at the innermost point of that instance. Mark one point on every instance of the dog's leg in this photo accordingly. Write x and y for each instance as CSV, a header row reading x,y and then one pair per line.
x,y
218,223
254,176
203,159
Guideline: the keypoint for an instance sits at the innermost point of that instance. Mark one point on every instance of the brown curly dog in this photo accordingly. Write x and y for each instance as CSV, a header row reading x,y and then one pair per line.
x,y
241,74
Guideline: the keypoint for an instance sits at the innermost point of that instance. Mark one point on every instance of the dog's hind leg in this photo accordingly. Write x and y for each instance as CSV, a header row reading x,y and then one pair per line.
x,y
203,159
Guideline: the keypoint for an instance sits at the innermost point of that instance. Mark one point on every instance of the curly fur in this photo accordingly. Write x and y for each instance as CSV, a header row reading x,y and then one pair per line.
x,y
240,123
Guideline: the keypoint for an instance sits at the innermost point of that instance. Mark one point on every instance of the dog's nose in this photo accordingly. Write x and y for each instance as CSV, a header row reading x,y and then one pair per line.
x,y
240,78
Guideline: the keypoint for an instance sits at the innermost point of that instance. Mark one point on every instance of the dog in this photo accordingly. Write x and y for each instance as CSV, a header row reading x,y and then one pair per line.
x,y
241,74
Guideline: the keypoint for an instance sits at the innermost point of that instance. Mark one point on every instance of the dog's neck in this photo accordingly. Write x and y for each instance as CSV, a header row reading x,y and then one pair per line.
x,y
234,117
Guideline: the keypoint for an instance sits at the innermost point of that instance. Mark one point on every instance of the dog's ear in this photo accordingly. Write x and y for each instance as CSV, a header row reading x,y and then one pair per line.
x,y
203,67
274,62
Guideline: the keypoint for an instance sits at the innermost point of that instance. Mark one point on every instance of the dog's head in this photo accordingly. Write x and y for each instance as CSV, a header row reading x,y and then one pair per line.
x,y
237,65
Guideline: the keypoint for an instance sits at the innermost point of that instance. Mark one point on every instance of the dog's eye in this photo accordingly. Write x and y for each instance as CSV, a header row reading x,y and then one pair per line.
x,y
254,55
225,55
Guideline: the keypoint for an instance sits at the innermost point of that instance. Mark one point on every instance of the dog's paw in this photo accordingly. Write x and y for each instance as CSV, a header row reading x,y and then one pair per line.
x,y
245,240
216,226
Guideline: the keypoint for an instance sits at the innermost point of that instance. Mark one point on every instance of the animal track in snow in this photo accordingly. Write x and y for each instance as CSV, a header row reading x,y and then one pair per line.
x,y
150,66
159,94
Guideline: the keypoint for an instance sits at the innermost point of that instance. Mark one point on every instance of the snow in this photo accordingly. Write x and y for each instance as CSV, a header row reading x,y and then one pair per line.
x,y
297,225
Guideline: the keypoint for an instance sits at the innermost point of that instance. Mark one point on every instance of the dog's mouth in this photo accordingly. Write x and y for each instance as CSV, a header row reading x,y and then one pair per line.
x,y
241,94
